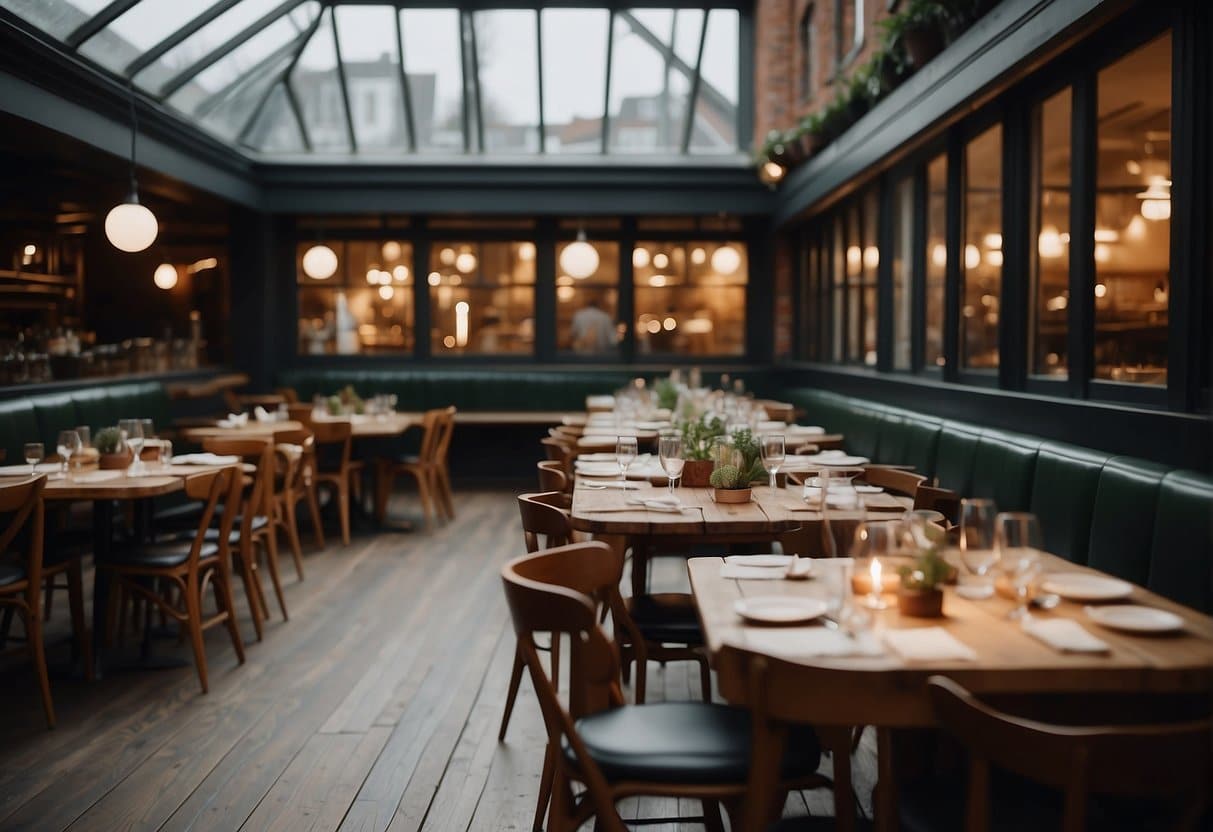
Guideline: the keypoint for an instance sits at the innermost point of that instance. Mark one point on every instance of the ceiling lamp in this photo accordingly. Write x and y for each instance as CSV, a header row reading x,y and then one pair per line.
x,y
1049,243
640,257
386,292
447,256
401,273
939,255
391,250
871,257
726,260
165,276
526,252
993,240
319,262
579,258
130,226
972,256
466,262
1156,199
771,173
661,260
699,256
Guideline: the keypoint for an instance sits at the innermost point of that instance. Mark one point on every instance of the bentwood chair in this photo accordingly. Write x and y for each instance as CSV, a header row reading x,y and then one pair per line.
x,y
557,450
304,486
942,500
697,750
190,566
428,469
21,573
1119,776
552,478
894,480
335,468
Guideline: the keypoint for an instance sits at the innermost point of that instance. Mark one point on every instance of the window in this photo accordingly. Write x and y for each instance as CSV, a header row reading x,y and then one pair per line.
x,y
1133,216
854,301
482,298
690,297
902,269
808,38
371,57
848,31
869,262
937,260
838,266
981,258
364,306
587,301
1050,255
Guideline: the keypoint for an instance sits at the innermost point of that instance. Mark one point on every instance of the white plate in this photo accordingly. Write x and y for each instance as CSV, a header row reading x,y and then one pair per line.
x,y
843,461
805,430
1135,619
598,457
779,609
868,489
1079,586
773,561
597,469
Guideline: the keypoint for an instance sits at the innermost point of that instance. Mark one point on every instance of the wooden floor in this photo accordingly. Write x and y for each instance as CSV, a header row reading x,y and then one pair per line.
x,y
375,707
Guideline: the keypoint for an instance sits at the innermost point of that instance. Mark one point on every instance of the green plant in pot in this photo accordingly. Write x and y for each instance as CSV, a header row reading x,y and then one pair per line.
x,y
667,394
112,449
921,590
921,29
698,436
737,462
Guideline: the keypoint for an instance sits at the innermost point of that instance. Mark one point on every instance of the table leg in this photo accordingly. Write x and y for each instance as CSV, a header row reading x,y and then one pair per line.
x,y
885,802
640,567
103,537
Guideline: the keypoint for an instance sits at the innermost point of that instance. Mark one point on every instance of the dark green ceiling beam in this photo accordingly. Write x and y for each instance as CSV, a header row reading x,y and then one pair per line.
x,y
97,22
177,38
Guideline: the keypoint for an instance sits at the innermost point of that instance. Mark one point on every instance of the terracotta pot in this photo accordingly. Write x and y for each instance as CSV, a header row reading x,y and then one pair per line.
x,y
920,603
733,495
113,462
696,473
922,43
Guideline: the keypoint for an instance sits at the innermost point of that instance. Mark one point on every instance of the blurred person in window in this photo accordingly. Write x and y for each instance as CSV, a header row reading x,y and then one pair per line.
x,y
592,329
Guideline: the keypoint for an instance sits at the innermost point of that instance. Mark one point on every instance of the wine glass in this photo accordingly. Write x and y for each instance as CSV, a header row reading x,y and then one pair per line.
x,y
774,452
625,453
68,444
977,544
33,455
132,432
1018,547
86,436
669,451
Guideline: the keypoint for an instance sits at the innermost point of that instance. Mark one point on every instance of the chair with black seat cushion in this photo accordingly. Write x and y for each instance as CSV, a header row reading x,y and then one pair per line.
x,y
63,554
697,750
294,460
21,572
1122,518
1110,776
1063,497
1181,556
190,566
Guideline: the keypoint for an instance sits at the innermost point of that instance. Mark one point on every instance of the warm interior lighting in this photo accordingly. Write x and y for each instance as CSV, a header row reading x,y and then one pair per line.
x,y
130,226
434,279
1049,243
30,250
579,258
1156,209
456,280
391,250
165,276
449,342
772,172
564,294
669,324
994,257
698,326
372,275
1156,199
202,265
387,292
871,257
1106,235
661,260
1136,229
526,252
726,260
320,262
657,281
972,256
466,262
653,326
698,256
854,258
447,256
564,280
1102,254
1133,167
939,255
461,323
1101,290
1057,303
993,240
401,273
640,257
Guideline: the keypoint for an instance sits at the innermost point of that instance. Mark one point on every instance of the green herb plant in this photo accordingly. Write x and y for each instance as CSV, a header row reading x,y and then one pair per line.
x,y
738,464
929,569
698,436
108,441
667,394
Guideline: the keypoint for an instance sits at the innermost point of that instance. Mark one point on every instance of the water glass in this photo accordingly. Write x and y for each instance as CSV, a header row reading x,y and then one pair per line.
x,y
132,434
625,453
86,436
68,444
1018,547
33,455
977,543
669,451
774,452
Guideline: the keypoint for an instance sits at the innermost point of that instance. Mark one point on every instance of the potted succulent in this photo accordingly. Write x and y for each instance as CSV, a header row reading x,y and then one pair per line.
x,y
113,453
920,593
698,436
736,463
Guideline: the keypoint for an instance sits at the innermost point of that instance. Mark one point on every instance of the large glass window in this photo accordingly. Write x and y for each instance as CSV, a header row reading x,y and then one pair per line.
x,y
854,300
1133,216
371,54
838,292
508,59
690,297
1050,255
573,68
982,253
433,66
482,298
869,263
902,268
587,298
355,297
937,260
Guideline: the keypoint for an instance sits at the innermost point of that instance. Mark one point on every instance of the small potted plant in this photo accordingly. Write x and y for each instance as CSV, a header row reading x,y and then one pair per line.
x,y
921,591
113,453
667,394
736,464
922,28
698,435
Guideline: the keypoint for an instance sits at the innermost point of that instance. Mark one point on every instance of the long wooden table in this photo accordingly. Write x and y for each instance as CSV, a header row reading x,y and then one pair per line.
x,y
361,427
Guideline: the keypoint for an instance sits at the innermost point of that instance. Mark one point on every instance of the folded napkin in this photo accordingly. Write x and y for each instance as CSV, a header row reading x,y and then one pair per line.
x,y
97,476
234,420
806,430
1063,634
803,642
738,572
23,470
599,401
772,426
654,425
625,486
598,457
205,459
655,502
293,451
928,644
747,560
263,415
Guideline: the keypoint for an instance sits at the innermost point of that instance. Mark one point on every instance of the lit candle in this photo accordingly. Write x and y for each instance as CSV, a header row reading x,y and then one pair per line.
x,y
874,601
877,583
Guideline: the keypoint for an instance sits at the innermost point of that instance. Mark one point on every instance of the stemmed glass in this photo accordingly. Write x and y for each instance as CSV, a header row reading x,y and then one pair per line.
x,y
625,453
68,444
132,431
774,452
1017,542
977,544
669,451
86,436
33,455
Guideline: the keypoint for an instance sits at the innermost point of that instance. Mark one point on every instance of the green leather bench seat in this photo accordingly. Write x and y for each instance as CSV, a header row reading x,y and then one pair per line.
x,y
1128,517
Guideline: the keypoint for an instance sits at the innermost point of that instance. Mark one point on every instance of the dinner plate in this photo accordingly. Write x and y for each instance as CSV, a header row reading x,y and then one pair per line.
x,y
598,469
805,430
1080,586
23,470
1134,618
868,489
779,609
598,457
843,461
772,561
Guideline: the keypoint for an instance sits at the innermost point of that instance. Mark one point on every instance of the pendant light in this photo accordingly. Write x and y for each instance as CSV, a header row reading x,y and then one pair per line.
x,y
579,259
130,226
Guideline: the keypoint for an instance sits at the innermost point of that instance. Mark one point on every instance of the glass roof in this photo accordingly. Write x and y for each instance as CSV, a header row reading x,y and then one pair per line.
x,y
292,79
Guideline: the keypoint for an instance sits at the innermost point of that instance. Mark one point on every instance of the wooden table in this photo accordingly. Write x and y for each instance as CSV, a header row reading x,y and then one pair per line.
x,y
362,427
887,692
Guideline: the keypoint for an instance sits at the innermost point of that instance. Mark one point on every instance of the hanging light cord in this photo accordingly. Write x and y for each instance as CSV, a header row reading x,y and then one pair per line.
x,y
134,195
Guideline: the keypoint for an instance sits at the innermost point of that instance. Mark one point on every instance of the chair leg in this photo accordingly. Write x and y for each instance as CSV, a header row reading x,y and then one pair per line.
x,y
33,631
343,510
252,588
313,508
222,582
444,485
292,537
545,788
75,598
705,678
642,676
383,490
555,660
423,496
512,694
712,820
193,609
270,547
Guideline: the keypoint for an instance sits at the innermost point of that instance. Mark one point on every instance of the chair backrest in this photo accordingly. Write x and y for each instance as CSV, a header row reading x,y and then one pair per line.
x,y
446,428
337,437
22,503
294,470
543,514
210,487
895,480
288,395
299,412
551,476
259,452
942,500
557,450
1168,761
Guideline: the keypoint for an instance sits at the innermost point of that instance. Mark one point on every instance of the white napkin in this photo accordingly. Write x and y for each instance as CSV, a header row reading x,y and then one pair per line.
x,y
806,430
928,644
802,642
624,486
1063,635
738,572
97,476
599,401
597,469
23,470
772,426
234,420
292,451
599,457
205,459
263,415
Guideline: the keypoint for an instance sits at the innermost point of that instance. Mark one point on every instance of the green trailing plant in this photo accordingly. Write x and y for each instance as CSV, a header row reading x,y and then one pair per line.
x,y
108,441
667,394
929,569
738,464
698,436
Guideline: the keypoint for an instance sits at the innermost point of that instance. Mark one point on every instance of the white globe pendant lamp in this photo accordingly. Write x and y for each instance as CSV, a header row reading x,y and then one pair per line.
x,y
166,276
319,262
579,259
130,226
726,260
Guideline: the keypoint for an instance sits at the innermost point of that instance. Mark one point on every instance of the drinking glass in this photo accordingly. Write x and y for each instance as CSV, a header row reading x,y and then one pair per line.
x,y
669,451
874,542
977,544
33,455
625,453
774,452
86,436
68,444
132,431
1018,547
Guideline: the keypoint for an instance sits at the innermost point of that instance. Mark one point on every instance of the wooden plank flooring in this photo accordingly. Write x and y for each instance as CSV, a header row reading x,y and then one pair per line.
x,y
375,707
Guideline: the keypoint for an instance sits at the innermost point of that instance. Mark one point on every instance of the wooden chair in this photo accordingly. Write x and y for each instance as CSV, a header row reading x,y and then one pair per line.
x,y
1171,762
428,468
63,553
295,472
190,566
21,576
305,482
299,412
696,750
552,478
557,450
942,500
894,480
334,467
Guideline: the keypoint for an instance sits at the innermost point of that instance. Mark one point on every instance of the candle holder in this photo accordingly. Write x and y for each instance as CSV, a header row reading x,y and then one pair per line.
x,y
873,599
